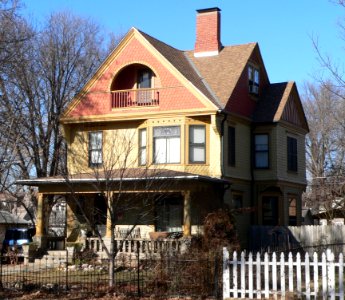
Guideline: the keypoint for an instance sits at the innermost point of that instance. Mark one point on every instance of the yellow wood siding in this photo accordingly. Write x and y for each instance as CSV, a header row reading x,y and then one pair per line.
x,y
120,145
242,151
282,133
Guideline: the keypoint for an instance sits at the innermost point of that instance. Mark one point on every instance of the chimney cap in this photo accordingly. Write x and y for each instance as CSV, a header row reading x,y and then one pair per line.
x,y
205,10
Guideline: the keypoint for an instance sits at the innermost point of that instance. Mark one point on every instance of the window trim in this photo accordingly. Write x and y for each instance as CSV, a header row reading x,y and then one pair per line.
x,y
142,148
292,154
262,151
196,145
232,146
154,146
91,150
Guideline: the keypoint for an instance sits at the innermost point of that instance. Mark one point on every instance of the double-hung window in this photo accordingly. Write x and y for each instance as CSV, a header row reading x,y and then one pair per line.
x,y
197,144
95,148
142,147
144,82
166,143
253,80
261,151
292,154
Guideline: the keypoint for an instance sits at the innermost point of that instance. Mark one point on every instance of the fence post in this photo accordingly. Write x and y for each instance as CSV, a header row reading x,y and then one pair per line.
x,y
266,272
324,276
282,274
330,271
258,276
243,275
290,272
274,274
316,274
234,274
341,276
226,274
250,275
307,275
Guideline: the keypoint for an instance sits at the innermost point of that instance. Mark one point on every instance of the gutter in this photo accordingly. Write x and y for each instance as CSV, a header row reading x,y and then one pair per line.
x,y
41,181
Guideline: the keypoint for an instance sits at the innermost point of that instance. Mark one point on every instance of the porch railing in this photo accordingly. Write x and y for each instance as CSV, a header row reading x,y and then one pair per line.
x,y
135,246
135,97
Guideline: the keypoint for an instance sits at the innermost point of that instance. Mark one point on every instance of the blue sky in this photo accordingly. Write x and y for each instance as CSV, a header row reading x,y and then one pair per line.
x,y
282,28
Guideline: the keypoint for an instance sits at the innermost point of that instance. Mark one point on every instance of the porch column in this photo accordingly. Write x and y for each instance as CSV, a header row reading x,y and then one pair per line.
x,y
187,223
109,212
40,217
40,221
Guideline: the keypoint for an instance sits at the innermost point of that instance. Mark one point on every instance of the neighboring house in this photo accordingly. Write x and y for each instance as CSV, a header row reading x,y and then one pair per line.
x,y
207,122
8,220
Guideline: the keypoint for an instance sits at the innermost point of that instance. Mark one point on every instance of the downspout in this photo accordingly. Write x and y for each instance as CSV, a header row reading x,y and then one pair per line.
x,y
252,177
227,186
222,142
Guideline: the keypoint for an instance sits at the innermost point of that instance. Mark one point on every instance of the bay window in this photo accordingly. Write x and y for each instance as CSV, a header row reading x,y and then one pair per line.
x,y
166,144
142,147
261,151
197,144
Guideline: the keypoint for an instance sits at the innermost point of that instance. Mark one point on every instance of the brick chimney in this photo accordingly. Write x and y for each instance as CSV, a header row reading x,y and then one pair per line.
x,y
207,32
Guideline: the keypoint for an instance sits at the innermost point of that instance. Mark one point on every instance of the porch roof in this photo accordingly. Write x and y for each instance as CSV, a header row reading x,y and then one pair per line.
x,y
125,175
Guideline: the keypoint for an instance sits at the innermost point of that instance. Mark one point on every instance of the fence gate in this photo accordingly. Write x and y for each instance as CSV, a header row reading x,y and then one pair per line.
x,y
256,276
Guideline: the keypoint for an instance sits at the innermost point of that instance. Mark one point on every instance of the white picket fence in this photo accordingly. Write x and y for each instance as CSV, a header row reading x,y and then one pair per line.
x,y
307,277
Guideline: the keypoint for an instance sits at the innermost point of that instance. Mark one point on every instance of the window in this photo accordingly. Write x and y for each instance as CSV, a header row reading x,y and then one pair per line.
x,y
261,151
231,146
253,80
169,214
144,79
144,97
237,199
292,211
270,210
95,148
292,154
166,143
197,144
142,147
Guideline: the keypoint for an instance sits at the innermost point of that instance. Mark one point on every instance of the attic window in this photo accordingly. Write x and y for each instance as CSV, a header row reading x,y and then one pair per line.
x,y
253,80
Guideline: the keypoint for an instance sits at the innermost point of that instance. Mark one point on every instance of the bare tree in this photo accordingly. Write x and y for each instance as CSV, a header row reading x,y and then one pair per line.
x,y
50,68
124,189
325,150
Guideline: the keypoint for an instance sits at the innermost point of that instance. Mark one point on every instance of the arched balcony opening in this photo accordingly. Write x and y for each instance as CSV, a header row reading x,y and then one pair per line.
x,y
135,85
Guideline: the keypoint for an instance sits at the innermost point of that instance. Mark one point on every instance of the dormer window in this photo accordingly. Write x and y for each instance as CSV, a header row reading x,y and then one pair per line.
x,y
253,80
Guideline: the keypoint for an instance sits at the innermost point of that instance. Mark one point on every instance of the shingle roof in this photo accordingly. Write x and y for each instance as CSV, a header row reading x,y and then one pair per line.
x,y
8,218
223,71
181,62
215,76
268,105
128,174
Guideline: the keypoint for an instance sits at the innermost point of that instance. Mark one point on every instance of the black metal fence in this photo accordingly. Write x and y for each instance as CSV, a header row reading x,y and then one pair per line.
x,y
163,276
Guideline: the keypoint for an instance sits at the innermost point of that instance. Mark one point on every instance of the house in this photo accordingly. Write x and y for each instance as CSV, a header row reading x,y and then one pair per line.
x,y
182,131
8,220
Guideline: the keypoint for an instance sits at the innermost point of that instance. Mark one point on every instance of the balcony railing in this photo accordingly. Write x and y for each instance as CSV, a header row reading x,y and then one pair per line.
x,y
135,98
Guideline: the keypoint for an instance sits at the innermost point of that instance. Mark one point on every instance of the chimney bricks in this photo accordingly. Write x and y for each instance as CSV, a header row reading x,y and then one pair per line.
x,y
207,32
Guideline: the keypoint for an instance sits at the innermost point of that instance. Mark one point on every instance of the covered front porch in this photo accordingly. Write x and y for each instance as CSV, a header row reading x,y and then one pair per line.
x,y
140,209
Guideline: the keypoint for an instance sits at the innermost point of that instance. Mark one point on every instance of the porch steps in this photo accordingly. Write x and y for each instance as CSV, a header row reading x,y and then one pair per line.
x,y
53,258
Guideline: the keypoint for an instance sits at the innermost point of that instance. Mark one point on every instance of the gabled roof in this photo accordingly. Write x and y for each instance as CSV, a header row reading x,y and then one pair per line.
x,y
8,218
223,71
183,64
277,99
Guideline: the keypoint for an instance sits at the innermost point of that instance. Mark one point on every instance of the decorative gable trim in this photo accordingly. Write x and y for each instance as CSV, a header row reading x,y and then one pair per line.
x,y
290,108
